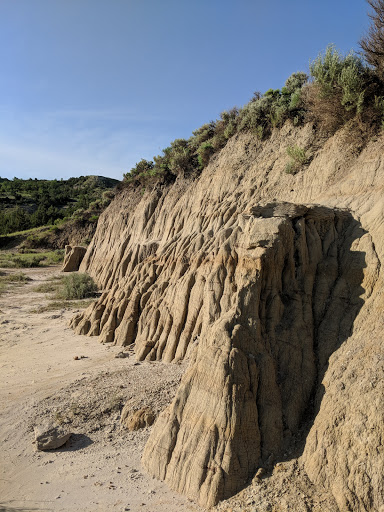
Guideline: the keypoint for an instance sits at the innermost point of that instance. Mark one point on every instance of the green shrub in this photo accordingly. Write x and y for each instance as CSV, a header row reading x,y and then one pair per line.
x,y
142,167
76,286
297,154
30,259
218,141
204,153
181,159
226,126
107,197
202,134
336,74
295,82
259,132
17,278
95,204
22,262
253,114
343,88
379,109
230,129
352,85
53,257
295,100
298,159
274,107
49,287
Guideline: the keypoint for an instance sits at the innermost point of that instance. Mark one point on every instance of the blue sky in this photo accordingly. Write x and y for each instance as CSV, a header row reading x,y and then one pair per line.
x,y
93,86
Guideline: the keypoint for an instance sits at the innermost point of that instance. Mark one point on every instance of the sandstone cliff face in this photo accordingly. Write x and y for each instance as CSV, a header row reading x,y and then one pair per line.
x,y
275,299
256,366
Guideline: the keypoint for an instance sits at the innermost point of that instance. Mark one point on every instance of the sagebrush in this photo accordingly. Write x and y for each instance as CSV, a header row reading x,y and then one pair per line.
x,y
76,286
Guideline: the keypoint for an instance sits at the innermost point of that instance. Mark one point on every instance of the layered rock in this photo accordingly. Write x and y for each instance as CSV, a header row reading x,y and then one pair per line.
x,y
260,288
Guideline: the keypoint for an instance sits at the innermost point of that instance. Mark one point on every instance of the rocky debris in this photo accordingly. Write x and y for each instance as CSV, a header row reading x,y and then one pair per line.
x,y
73,258
270,286
49,436
288,490
135,420
93,405
121,355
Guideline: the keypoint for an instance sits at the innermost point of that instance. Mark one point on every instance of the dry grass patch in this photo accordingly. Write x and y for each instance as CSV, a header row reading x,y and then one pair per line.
x,y
73,291
12,279
55,305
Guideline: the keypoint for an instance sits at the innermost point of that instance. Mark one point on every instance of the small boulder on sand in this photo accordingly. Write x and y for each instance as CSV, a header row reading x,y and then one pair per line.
x,y
49,436
135,420
73,257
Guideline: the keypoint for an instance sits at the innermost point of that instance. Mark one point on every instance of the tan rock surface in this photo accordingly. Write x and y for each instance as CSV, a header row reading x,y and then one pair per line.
x,y
73,257
135,420
240,271
50,436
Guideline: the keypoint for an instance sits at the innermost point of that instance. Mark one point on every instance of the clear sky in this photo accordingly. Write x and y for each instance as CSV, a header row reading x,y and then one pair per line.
x,y
93,86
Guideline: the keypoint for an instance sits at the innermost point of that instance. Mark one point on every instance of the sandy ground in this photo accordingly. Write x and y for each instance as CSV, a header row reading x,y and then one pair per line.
x,y
99,468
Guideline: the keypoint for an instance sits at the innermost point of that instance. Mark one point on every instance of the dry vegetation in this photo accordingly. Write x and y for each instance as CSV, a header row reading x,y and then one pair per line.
x,y
67,292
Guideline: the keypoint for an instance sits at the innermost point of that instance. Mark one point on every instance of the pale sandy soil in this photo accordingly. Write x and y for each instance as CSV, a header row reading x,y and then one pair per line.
x,y
99,468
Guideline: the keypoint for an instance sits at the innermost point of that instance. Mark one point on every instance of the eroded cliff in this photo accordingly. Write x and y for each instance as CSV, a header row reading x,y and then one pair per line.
x,y
270,284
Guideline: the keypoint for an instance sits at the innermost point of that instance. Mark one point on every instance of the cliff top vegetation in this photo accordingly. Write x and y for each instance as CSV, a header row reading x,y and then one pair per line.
x,y
339,89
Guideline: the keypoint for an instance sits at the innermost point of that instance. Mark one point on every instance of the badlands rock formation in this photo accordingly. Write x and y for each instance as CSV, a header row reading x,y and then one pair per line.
x,y
73,257
271,284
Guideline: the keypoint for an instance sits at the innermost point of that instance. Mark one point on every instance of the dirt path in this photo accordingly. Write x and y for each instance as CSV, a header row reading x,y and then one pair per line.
x,y
99,468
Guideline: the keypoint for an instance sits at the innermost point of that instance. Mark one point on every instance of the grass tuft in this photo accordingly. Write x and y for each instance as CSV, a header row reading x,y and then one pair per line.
x,y
298,158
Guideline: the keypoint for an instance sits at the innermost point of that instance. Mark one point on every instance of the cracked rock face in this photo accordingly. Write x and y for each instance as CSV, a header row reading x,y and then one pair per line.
x,y
276,302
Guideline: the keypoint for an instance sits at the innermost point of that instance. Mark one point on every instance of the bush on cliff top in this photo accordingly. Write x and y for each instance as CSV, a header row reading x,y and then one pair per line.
x,y
187,157
340,88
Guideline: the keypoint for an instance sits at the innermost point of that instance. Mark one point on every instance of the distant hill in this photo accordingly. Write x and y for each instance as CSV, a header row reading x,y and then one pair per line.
x,y
26,204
